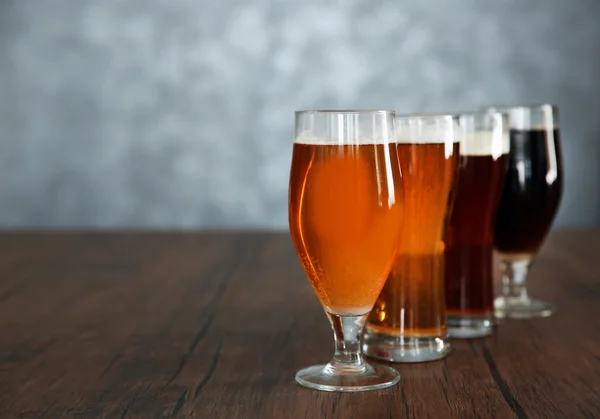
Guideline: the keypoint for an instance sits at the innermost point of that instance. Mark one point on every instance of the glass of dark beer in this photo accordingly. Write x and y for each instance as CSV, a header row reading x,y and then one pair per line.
x,y
469,241
408,321
530,200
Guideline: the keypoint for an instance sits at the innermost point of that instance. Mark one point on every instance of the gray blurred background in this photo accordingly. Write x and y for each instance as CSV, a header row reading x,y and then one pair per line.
x,y
179,113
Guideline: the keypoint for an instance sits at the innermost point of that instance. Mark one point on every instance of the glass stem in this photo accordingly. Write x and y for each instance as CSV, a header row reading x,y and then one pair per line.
x,y
346,332
514,275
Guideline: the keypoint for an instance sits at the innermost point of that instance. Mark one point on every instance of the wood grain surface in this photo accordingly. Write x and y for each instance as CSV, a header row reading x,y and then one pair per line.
x,y
215,325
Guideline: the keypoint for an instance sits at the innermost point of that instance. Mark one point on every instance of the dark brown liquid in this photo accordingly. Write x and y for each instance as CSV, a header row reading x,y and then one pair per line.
x,y
532,192
469,238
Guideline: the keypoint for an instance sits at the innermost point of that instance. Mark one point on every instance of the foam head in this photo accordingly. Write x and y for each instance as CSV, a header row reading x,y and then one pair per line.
x,y
483,134
426,129
485,143
344,127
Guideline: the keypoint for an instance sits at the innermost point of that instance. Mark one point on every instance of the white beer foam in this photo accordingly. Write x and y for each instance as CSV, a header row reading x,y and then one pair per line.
x,y
433,137
312,140
521,126
484,143
543,128
417,131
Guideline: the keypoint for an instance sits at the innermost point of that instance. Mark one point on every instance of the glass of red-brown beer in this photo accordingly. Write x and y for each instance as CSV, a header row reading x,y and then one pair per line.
x,y
469,241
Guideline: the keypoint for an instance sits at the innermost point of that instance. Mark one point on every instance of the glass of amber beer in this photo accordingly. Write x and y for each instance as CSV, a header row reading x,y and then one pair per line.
x,y
529,202
469,242
408,321
345,215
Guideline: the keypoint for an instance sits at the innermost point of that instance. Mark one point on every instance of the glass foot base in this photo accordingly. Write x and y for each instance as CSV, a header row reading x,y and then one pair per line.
x,y
371,377
404,349
517,308
469,327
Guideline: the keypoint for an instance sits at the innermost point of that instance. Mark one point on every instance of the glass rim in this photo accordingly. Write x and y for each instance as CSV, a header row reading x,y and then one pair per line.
x,y
478,113
424,116
517,107
528,117
456,114
345,111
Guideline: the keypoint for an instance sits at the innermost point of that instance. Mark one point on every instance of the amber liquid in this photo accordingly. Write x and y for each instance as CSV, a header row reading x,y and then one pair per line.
x,y
532,192
469,237
412,300
345,216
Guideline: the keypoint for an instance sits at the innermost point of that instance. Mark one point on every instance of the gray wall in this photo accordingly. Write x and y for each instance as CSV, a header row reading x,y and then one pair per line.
x,y
179,113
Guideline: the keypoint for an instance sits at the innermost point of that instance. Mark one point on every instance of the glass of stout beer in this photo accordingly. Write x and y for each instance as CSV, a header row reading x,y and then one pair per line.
x,y
345,214
469,243
408,322
530,200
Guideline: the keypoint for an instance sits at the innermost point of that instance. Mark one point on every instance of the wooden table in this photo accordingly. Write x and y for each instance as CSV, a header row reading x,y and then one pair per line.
x,y
215,325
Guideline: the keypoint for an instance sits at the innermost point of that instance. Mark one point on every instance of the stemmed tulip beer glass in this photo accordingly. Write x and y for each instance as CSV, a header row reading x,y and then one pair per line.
x,y
529,203
345,213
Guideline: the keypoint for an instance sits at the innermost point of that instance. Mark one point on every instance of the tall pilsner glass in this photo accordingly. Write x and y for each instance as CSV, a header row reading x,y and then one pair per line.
x,y
345,213
469,240
530,200
408,322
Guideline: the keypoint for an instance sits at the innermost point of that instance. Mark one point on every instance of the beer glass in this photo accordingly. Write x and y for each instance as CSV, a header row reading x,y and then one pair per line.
x,y
408,322
469,243
345,214
529,202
